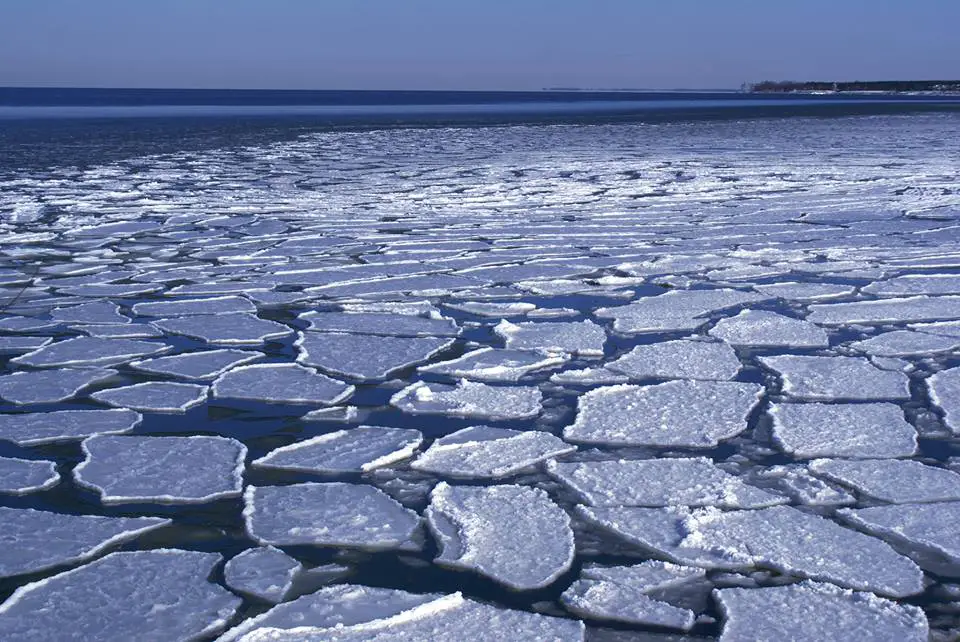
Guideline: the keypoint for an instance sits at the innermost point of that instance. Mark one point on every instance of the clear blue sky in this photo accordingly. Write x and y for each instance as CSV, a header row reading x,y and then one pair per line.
x,y
472,44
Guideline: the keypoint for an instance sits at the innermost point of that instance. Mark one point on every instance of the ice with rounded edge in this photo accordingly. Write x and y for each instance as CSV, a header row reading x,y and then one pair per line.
x,y
190,307
659,482
470,399
265,572
226,329
892,480
862,431
680,359
365,356
49,386
495,364
356,449
816,612
814,377
66,539
781,537
695,414
280,383
485,452
23,476
329,514
514,535
763,328
89,351
34,428
393,325
129,469
161,594
203,366
154,396
584,338
944,388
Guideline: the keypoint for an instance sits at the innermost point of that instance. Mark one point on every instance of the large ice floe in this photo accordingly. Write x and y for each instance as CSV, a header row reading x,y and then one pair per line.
x,y
515,535
695,414
159,595
813,377
875,430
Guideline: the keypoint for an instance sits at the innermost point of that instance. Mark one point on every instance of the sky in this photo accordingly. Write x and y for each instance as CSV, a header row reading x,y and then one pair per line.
x,y
472,44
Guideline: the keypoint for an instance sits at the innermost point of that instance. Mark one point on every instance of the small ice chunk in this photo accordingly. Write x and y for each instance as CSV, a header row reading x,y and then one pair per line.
x,y
659,482
805,291
49,386
188,307
796,481
37,540
763,328
94,312
694,414
514,535
920,527
331,514
23,476
365,356
170,470
862,431
916,308
89,351
813,377
486,309
226,329
353,613
816,612
35,428
582,338
391,325
280,383
485,452
265,572
915,284
340,414
892,480
161,594
781,537
944,389
19,345
469,399
356,449
588,376
681,359
495,364
905,342
154,396
203,366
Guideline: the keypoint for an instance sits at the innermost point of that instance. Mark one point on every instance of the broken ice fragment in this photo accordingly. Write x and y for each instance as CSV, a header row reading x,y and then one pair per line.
x,y
917,308
944,389
469,399
19,345
89,351
864,431
763,328
172,470
280,383
582,338
356,449
95,312
395,325
926,528
187,307
813,377
23,476
33,428
266,573
364,356
201,366
905,343
892,480
154,396
226,329
49,386
515,535
493,364
681,359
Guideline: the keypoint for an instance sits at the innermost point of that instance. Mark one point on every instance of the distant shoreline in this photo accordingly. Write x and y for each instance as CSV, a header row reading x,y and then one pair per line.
x,y
858,87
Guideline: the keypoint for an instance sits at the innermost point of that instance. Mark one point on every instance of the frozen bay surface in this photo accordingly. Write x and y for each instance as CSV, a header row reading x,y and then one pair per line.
x,y
479,383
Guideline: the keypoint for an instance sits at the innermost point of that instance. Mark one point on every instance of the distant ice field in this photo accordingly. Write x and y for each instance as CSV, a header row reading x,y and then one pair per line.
x,y
595,381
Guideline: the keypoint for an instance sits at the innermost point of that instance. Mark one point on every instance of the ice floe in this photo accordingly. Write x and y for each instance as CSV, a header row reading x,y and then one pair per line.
x,y
695,414
161,594
781,537
19,345
763,328
674,311
944,389
203,366
680,359
514,535
495,364
391,325
917,308
915,284
226,329
356,449
905,343
265,572
154,396
485,452
23,476
94,312
925,528
35,428
49,386
863,431
188,307
89,351
659,482
829,378
171,470
813,611
805,291
795,481
330,514
66,539
892,480
365,356
582,338
470,399
280,383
